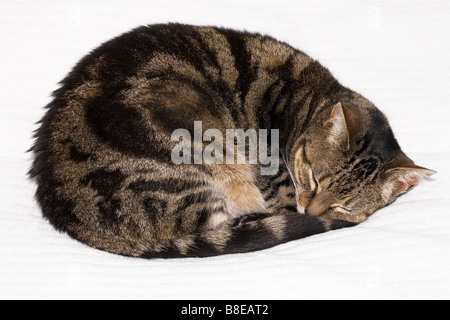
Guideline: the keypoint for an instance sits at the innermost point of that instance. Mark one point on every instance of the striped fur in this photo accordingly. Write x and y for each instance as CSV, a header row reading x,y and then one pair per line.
x,y
102,151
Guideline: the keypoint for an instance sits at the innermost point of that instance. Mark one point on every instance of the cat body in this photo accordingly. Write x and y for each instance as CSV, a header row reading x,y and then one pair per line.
x,y
104,150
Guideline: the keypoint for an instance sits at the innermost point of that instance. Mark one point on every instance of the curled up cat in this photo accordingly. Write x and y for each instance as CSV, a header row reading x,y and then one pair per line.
x,y
133,154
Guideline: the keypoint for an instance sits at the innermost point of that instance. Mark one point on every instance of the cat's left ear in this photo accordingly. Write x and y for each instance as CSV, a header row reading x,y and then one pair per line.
x,y
337,125
401,175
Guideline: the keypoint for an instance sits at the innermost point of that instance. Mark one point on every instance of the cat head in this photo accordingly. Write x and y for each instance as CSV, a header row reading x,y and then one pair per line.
x,y
349,164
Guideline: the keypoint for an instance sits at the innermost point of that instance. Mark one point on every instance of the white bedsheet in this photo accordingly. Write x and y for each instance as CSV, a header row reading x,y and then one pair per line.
x,y
396,53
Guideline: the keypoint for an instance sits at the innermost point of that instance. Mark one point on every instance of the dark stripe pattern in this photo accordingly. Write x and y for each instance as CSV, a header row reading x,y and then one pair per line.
x,y
257,233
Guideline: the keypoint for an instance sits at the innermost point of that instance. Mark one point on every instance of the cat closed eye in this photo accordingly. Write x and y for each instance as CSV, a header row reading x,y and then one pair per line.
x,y
314,186
339,208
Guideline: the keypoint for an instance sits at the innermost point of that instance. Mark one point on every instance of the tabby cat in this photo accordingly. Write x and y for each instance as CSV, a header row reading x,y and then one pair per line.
x,y
103,151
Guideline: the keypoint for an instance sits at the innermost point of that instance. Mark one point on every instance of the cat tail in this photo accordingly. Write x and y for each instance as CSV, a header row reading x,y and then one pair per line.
x,y
248,233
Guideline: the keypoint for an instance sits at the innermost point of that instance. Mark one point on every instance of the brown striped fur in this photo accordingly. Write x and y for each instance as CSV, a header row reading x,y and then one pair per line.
x,y
102,152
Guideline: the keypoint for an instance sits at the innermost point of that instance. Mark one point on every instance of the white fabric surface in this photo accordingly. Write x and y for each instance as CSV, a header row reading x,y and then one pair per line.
x,y
396,53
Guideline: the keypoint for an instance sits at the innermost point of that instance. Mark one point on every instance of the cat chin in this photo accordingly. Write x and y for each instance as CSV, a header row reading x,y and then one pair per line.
x,y
300,209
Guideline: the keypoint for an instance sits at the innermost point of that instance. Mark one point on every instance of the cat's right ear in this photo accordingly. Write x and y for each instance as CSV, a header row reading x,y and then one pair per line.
x,y
336,125
401,175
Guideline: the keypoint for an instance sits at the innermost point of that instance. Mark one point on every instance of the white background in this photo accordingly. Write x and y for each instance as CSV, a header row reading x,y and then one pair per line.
x,y
396,53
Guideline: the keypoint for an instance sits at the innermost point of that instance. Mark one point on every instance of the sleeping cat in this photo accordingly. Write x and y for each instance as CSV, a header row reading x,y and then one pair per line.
x,y
104,150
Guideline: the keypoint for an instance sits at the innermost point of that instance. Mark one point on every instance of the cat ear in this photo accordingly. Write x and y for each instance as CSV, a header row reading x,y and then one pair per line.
x,y
337,126
403,174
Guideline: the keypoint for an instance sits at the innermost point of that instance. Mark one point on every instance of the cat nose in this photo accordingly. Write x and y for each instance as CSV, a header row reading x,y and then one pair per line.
x,y
312,212
316,208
